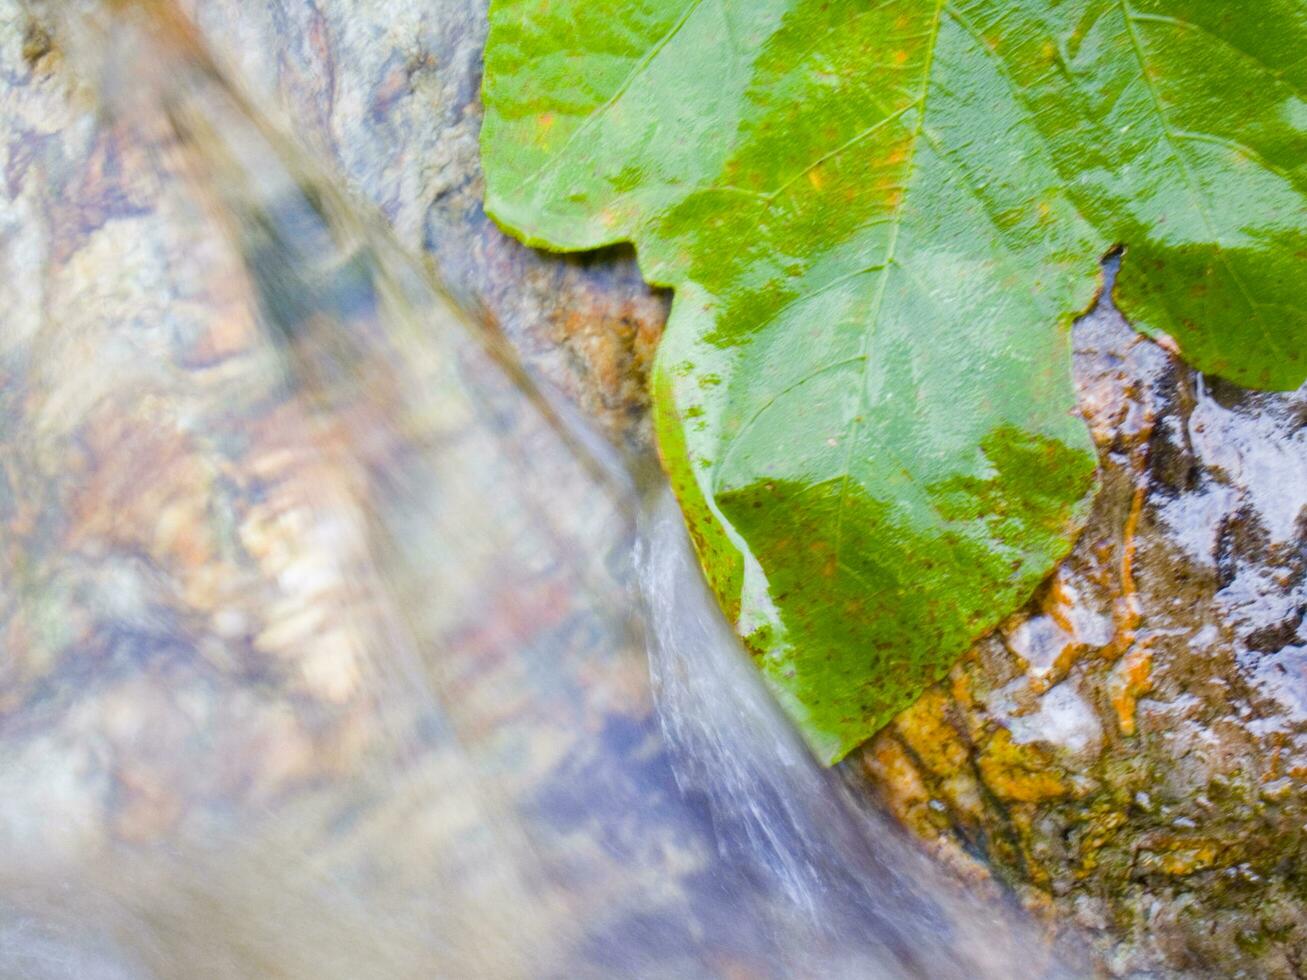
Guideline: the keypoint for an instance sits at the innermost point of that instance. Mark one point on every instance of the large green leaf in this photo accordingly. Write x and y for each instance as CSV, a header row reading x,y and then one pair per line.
x,y
880,219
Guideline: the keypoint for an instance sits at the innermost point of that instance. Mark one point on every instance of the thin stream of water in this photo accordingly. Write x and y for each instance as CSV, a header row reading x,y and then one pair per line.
x,y
851,898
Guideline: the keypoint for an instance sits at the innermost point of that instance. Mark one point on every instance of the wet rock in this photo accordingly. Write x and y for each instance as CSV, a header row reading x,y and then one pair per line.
x,y
1130,751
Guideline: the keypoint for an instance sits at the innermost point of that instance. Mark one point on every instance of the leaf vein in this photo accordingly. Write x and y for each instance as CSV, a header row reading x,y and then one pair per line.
x,y
873,321
596,114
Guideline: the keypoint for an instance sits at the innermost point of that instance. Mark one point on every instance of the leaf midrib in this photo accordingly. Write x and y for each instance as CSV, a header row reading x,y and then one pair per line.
x,y
873,324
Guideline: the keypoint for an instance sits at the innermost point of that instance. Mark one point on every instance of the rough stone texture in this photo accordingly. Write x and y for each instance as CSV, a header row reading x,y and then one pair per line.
x,y
387,92
1129,753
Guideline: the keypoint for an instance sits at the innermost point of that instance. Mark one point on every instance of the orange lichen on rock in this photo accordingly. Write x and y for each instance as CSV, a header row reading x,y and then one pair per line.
x,y
926,730
1179,858
1126,610
888,764
1095,834
1018,773
1130,678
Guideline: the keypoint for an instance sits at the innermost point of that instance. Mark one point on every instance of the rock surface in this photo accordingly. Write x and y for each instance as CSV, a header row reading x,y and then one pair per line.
x,y
1128,754
388,94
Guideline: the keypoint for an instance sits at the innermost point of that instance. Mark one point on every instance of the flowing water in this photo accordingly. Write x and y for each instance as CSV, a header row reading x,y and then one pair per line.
x,y
525,742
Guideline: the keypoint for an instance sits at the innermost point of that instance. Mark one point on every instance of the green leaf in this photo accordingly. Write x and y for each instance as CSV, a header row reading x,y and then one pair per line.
x,y
880,220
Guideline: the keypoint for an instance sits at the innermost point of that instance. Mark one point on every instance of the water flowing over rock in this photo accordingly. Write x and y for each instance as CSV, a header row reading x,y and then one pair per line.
x,y
1128,754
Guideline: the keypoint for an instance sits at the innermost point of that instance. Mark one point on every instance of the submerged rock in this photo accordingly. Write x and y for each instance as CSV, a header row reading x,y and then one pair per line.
x,y
1128,754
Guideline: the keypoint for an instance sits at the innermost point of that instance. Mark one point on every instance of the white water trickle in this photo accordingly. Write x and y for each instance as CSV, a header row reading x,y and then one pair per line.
x,y
845,896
